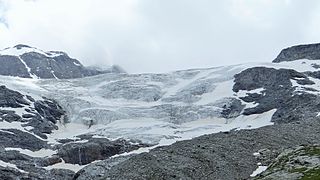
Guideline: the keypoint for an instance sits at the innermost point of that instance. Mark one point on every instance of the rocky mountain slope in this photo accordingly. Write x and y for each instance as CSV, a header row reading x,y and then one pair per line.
x,y
300,163
29,62
216,123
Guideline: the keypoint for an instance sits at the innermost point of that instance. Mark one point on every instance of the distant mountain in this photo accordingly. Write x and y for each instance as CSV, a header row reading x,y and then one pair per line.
x,y
29,62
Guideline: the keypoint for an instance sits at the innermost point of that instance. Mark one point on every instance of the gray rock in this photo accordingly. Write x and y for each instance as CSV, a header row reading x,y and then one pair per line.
x,y
231,107
63,67
293,164
9,116
309,51
55,174
99,169
12,66
18,139
94,149
10,98
278,94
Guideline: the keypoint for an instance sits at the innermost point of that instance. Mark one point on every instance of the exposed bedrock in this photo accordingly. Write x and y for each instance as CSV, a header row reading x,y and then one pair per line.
x,y
93,149
278,92
308,51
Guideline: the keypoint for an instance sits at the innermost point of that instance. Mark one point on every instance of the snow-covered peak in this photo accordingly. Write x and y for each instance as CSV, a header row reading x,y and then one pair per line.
x,y
21,49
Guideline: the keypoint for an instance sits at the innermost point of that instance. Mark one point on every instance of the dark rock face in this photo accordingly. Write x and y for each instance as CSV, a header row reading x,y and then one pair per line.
x,y
18,139
9,116
10,98
94,149
278,93
263,77
12,66
41,174
309,51
231,108
49,109
41,115
300,107
46,65
62,67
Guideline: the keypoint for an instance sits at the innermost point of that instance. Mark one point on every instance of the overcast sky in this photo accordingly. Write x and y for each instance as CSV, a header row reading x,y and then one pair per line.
x,y
161,35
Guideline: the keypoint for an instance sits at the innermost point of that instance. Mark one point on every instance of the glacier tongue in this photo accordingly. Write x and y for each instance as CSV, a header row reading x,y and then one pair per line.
x,y
153,107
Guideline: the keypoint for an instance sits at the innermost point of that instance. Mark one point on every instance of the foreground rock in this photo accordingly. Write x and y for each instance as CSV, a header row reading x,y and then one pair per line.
x,y
55,174
217,156
300,163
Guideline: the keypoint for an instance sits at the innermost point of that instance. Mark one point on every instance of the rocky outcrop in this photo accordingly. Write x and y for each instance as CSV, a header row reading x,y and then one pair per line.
x,y
12,99
278,93
8,173
89,149
40,115
28,62
309,51
14,138
26,126
12,66
294,164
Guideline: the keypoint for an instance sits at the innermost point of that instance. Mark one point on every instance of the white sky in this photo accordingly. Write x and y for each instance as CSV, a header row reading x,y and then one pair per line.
x,y
161,35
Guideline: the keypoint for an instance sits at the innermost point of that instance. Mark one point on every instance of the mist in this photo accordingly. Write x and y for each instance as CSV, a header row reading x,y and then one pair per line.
x,y
161,35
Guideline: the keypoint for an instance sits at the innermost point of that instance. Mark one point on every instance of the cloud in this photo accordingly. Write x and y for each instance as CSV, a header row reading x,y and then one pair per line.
x,y
161,35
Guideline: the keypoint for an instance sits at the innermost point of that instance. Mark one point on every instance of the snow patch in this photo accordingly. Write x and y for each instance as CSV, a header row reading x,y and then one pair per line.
x,y
244,93
256,154
52,72
64,165
5,164
258,171
23,50
28,68
40,153
77,64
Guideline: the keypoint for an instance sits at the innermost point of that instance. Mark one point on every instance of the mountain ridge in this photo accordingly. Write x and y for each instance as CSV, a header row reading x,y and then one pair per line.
x,y
29,62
